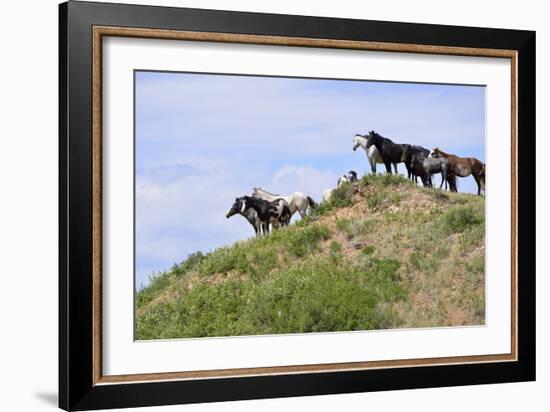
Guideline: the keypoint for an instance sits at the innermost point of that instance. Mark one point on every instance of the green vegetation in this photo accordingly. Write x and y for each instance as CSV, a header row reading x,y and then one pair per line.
x,y
381,253
382,200
317,295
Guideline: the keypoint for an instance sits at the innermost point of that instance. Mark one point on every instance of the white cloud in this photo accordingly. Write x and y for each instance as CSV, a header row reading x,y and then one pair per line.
x,y
305,179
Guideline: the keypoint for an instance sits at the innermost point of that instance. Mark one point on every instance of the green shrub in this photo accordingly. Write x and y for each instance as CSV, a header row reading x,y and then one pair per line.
x,y
382,200
305,241
223,260
157,283
460,218
192,261
384,180
320,295
342,196
355,227
369,250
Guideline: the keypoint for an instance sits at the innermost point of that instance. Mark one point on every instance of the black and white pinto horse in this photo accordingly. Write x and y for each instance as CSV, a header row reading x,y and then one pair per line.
x,y
297,201
351,176
276,212
250,215
390,152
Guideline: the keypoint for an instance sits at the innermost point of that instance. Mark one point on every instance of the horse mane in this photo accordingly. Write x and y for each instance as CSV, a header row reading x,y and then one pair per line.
x,y
259,189
437,149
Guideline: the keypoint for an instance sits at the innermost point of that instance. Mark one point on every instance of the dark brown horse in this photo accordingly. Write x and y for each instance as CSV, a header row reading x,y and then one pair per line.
x,y
463,167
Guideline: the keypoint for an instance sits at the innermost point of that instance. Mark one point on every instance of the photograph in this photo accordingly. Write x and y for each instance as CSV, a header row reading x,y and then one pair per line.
x,y
272,204
269,205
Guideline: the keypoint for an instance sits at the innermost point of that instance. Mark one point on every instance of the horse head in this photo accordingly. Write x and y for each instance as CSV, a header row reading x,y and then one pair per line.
x,y
236,208
371,138
357,139
435,153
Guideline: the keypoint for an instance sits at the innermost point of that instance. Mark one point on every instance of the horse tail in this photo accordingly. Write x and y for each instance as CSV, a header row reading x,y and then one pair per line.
x,y
311,203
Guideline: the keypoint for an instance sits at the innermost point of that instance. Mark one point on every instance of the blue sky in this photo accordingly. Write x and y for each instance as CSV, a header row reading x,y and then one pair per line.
x,y
203,139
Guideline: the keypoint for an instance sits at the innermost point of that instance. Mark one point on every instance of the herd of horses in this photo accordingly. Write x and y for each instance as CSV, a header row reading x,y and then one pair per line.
x,y
262,208
419,161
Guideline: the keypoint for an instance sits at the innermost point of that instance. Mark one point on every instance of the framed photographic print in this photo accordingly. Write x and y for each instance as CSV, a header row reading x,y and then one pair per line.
x,y
256,205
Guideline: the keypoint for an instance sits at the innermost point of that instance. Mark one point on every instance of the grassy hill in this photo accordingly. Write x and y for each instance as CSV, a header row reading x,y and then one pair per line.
x,y
383,253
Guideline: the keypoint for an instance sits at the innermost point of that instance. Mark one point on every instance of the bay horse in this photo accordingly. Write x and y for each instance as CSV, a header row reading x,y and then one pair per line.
x,y
389,151
463,167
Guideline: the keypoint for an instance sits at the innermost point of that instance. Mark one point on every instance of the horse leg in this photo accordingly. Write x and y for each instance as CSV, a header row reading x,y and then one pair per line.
x,y
372,165
476,178
395,167
388,167
452,182
442,179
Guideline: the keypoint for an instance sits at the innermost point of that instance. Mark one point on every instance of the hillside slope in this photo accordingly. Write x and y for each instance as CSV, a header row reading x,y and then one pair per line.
x,y
383,253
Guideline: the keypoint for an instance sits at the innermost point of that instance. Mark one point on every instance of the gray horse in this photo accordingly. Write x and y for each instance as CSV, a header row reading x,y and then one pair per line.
x,y
437,165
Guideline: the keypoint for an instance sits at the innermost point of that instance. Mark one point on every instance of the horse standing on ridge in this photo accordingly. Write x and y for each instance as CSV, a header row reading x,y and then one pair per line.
x,y
439,165
410,150
463,167
416,167
351,176
297,201
372,153
276,212
250,215
390,152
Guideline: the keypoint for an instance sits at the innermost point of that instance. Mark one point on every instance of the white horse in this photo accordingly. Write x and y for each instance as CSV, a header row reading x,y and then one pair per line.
x,y
297,201
372,152
327,194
